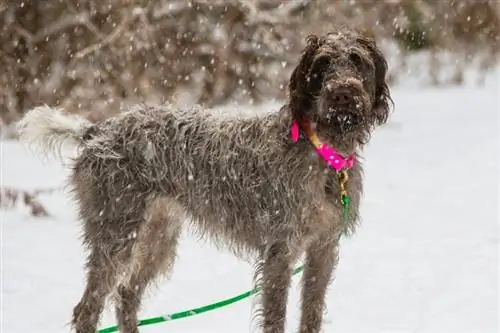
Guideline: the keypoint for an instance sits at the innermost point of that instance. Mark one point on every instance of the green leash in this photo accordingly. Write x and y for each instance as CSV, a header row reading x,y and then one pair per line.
x,y
345,200
195,311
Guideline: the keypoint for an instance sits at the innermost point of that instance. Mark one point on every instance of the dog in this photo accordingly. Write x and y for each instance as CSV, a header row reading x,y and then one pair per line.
x,y
270,186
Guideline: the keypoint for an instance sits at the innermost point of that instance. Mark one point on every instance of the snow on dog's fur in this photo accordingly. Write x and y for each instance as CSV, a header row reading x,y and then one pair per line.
x,y
142,176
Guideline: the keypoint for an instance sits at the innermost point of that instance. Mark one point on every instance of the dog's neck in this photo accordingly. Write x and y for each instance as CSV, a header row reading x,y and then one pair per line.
x,y
330,155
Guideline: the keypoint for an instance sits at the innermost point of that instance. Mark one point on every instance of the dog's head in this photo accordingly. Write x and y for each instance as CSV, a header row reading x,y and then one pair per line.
x,y
340,85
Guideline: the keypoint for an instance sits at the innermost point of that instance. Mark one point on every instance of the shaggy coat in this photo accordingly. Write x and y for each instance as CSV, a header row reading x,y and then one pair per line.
x,y
142,176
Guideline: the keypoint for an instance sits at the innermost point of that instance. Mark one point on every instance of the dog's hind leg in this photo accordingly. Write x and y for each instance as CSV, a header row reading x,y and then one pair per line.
x,y
321,258
153,253
276,279
101,278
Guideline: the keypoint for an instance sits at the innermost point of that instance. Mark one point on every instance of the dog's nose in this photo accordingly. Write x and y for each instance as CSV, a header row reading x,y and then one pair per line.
x,y
343,97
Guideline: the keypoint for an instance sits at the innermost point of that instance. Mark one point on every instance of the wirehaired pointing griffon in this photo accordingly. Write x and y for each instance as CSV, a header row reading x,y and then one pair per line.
x,y
272,186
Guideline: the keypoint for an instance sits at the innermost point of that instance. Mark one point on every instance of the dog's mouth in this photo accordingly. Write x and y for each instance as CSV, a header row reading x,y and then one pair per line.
x,y
343,120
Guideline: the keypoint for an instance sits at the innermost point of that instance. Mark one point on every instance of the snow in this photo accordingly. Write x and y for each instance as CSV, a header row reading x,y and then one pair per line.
x,y
425,258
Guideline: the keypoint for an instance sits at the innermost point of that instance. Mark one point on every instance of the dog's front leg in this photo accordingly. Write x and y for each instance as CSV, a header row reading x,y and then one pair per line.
x,y
277,274
321,259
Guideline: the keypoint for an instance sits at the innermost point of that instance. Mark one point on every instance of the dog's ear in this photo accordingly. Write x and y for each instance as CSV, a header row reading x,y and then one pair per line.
x,y
299,85
383,98
316,74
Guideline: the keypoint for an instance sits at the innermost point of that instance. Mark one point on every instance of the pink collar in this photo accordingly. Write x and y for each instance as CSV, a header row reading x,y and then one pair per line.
x,y
334,159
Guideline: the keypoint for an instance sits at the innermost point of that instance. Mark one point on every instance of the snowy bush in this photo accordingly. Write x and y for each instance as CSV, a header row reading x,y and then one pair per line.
x,y
13,199
92,56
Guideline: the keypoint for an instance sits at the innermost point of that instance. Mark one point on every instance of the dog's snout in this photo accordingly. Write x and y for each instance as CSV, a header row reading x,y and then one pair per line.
x,y
343,97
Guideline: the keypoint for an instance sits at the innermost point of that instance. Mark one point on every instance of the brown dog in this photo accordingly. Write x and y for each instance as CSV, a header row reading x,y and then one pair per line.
x,y
244,183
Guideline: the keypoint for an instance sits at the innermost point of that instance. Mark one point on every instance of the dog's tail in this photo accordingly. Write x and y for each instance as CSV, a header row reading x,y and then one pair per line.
x,y
47,129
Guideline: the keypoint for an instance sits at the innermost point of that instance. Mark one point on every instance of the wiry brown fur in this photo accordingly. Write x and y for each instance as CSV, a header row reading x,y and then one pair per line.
x,y
143,175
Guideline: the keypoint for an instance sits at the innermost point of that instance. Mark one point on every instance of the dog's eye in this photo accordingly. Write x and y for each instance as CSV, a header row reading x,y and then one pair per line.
x,y
320,65
356,59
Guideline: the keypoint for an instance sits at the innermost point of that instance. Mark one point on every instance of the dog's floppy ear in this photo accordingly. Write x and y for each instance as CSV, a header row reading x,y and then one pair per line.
x,y
300,80
382,94
316,74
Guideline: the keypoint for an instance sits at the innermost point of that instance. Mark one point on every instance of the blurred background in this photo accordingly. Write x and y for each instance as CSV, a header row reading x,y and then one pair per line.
x,y
92,56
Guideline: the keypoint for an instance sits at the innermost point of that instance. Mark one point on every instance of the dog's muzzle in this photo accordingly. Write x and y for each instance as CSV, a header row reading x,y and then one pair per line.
x,y
345,109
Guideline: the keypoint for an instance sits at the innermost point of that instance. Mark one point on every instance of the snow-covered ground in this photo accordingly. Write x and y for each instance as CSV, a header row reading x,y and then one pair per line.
x,y
424,260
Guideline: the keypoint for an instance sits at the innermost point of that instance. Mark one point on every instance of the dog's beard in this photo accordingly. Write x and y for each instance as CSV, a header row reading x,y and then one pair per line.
x,y
346,117
342,121
343,128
